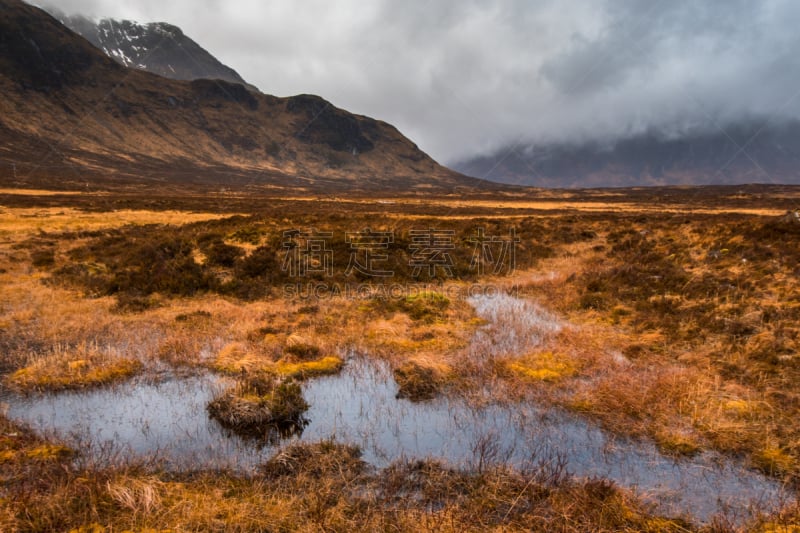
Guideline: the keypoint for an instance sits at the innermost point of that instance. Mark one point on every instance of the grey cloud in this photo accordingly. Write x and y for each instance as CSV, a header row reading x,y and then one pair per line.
x,y
467,77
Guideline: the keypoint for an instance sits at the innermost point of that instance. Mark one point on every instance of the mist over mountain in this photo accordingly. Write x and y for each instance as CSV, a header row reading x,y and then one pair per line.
x,y
752,151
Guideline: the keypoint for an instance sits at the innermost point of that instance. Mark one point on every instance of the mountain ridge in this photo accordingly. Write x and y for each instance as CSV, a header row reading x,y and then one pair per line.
x,y
71,116
158,47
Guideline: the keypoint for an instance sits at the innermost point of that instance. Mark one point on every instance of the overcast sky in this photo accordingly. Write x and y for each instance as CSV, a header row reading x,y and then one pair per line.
x,y
466,77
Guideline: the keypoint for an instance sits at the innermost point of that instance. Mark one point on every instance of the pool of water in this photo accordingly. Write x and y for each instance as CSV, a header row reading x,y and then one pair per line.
x,y
168,419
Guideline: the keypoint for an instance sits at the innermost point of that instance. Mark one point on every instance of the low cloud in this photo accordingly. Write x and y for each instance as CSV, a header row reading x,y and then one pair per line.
x,y
466,78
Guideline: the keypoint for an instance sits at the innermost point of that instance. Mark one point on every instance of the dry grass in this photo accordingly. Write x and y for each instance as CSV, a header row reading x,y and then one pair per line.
x,y
307,369
259,403
85,366
692,334
238,357
39,192
418,381
552,201
20,222
542,366
681,329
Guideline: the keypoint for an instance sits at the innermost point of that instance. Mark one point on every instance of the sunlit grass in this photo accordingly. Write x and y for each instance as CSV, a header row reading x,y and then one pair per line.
x,y
86,366
542,366
39,192
305,369
28,221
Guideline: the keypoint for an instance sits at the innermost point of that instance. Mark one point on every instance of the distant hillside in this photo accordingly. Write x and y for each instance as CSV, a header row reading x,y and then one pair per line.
x,y
747,152
70,115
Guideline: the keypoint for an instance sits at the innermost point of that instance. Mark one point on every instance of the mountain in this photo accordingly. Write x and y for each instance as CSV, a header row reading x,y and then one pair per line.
x,y
750,151
70,116
157,47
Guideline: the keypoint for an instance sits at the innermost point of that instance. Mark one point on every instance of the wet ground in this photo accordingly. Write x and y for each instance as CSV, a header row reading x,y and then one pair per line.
x,y
167,419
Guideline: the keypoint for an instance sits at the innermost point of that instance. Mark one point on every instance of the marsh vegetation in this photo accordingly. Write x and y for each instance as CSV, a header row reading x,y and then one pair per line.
x,y
635,371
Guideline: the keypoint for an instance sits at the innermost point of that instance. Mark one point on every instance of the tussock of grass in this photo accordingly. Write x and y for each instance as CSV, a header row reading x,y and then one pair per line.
x,y
302,350
774,461
236,358
298,349
417,382
678,443
66,369
315,459
259,403
139,495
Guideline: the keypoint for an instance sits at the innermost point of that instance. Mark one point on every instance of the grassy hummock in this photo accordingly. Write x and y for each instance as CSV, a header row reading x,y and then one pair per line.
x,y
78,369
299,361
416,382
260,404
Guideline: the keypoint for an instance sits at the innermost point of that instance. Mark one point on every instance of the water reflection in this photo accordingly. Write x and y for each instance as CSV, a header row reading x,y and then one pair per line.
x,y
169,418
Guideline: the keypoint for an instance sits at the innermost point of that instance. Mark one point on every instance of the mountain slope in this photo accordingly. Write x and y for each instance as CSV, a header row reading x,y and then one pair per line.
x,y
70,115
156,47
746,152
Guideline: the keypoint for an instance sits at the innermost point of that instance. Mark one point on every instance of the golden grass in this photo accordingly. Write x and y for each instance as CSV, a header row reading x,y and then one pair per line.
x,y
238,357
419,379
663,370
399,338
542,366
28,221
259,402
774,461
305,369
599,207
41,452
86,366
547,203
43,192
779,528
48,452
677,442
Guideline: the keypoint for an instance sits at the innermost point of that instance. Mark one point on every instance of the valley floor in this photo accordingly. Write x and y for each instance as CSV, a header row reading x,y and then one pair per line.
x,y
669,317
